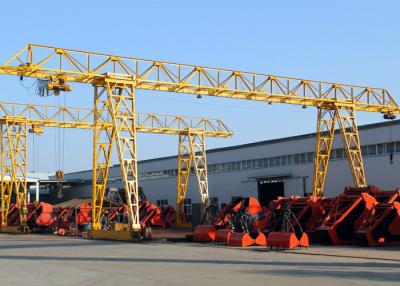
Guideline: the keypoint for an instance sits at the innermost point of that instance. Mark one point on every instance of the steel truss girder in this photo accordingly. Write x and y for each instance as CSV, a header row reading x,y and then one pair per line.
x,y
82,118
191,150
88,67
326,123
13,168
118,98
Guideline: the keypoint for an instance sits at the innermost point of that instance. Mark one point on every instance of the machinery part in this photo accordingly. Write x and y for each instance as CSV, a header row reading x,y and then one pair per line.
x,y
59,177
58,84
146,233
41,218
150,215
83,214
260,240
240,239
282,240
168,214
223,235
348,212
204,233
381,226
36,129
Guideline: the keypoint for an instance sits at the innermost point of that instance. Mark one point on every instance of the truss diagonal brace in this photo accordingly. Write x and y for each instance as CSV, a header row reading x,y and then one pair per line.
x,y
327,118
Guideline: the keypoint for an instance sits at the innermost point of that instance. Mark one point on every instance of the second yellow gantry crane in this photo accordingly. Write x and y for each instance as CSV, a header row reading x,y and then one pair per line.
x,y
17,120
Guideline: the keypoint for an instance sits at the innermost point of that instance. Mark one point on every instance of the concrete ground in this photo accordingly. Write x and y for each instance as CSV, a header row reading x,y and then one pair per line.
x,y
46,260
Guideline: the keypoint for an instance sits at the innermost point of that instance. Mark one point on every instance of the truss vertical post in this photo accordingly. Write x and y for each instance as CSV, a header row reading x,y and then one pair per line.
x,y
13,168
103,140
349,131
324,137
192,150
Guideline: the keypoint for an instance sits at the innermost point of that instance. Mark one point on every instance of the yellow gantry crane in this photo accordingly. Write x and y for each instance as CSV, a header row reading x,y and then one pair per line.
x,y
17,120
115,79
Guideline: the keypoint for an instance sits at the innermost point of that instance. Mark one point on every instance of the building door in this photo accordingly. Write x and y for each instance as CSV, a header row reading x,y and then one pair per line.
x,y
269,190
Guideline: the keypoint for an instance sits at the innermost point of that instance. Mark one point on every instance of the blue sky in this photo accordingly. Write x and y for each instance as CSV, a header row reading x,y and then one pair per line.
x,y
354,42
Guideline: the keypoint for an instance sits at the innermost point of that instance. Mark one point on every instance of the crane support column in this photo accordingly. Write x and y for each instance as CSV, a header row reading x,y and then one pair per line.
x,y
351,141
327,118
192,150
324,138
103,140
121,104
13,168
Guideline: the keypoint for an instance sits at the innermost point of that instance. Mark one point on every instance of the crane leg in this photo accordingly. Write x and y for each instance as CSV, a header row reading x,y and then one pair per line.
x,y
198,149
325,132
121,104
13,166
349,131
185,158
191,151
103,141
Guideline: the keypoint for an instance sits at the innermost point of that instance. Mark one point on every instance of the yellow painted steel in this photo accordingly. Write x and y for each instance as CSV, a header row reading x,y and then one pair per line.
x,y
89,67
327,119
14,119
61,66
192,150
13,168
122,235
83,118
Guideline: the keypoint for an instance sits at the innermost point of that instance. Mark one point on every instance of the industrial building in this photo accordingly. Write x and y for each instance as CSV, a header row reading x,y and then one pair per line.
x,y
265,170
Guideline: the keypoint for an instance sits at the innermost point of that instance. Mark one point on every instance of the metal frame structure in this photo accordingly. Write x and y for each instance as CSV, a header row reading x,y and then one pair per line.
x,y
15,119
192,150
326,123
61,66
14,166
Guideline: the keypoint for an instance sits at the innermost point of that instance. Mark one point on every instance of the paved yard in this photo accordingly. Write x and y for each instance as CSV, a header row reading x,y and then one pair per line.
x,y
45,260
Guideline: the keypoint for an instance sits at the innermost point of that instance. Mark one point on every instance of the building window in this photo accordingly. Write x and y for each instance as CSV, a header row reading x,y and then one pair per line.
x,y
371,150
265,162
364,151
296,158
246,164
187,207
303,158
397,146
283,160
271,162
214,201
290,159
332,155
310,157
277,161
381,148
211,168
259,163
389,148
238,165
161,203
339,153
